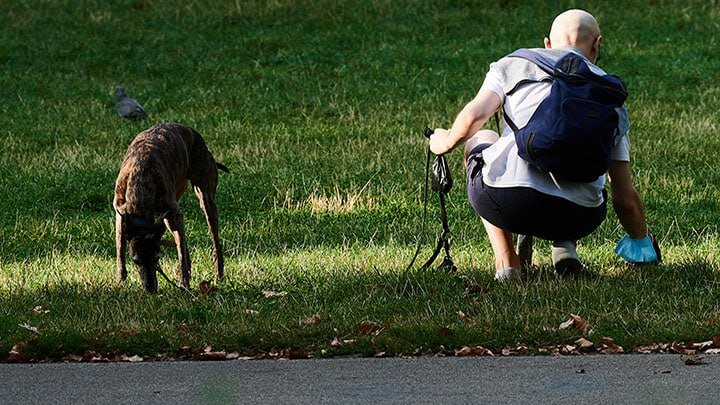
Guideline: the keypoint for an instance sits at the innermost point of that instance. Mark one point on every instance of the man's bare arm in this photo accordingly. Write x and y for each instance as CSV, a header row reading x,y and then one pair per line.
x,y
626,200
472,117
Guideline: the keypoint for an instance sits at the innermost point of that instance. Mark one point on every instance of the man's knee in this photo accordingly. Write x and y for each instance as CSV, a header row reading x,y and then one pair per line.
x,y
481,137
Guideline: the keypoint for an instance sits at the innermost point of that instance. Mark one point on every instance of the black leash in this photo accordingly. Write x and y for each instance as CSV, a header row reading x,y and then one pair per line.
x,y
180,287
421,237
442,183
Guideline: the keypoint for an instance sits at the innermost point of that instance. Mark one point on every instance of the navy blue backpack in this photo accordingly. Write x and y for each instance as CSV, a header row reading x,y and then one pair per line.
x,y
573,130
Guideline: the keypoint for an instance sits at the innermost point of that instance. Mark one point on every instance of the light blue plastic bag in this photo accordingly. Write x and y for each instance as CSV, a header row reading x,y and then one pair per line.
x,y
636,250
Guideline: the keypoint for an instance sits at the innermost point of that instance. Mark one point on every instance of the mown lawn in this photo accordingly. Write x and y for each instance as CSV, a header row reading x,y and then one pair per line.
x,y
317,108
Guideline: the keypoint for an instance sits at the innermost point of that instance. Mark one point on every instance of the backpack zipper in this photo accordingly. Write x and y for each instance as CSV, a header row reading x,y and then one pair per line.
x,y
623,93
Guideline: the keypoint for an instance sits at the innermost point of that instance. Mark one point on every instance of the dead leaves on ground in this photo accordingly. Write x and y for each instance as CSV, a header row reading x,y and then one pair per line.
x,y
273,294
688,349
368,328
694,361
576,322
207,288
32,329
474,289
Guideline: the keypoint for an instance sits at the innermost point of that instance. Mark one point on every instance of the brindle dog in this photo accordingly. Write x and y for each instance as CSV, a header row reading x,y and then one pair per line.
x,y
154,175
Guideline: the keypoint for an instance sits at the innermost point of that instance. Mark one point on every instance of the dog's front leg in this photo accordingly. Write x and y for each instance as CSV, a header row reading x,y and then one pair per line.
x,y
175,225
120,245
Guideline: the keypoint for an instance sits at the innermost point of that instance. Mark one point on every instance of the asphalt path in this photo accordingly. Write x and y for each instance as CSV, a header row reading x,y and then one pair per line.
x,y
655,378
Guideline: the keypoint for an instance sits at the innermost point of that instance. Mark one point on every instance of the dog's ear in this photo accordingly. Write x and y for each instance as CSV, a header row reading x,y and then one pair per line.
x,y
160,219
139,226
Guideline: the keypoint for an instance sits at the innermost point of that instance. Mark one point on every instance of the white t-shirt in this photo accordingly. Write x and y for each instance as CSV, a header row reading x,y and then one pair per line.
x,y
503,167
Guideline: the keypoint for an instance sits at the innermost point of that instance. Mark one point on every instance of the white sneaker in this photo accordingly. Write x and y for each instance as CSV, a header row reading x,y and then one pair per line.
x,y
565,258
508,274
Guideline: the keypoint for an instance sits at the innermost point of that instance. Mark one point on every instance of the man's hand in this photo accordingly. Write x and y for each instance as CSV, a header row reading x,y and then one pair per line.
x,y
439,141
639,251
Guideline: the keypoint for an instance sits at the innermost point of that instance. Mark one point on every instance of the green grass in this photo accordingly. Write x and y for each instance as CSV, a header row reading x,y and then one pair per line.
x,y
317,107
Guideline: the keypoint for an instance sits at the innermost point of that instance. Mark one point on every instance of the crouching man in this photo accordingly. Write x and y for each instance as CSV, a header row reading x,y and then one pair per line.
x,y
513,194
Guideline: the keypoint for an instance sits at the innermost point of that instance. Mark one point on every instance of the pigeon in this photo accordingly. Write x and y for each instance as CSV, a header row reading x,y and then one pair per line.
x,y
128,107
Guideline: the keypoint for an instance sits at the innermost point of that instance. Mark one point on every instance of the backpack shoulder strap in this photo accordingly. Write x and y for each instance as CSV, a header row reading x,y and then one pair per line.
x,y
535,58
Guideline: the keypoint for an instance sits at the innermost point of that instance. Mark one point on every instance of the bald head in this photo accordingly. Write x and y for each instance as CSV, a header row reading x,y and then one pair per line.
x,y
577,28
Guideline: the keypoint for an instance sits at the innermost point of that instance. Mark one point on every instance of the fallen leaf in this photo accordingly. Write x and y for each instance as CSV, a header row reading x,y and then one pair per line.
x,y
464,315
584,344
271,294
608,346
233,356
580,323
74,358
211,356
379,354
444,331
251,312
369,328
19,348
300,354
712,351
335,342
694,361
567,349
464,351
473,351
132,359
575,321
313,320
703,345
206,288
608,341
16,354
716,340
39,310
566,324
476,289
518,350
30,328
647,349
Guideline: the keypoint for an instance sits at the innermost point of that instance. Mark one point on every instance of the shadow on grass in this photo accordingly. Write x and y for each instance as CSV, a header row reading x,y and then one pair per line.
x,y
364,313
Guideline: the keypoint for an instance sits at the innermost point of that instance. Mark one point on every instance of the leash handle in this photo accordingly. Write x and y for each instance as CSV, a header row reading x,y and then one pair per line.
x,y
427,131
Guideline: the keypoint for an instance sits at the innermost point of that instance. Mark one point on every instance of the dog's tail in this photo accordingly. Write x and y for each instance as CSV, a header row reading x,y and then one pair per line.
x,y
222,167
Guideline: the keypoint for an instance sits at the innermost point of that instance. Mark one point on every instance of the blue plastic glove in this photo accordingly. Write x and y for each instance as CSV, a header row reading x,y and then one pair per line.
x,y
639,251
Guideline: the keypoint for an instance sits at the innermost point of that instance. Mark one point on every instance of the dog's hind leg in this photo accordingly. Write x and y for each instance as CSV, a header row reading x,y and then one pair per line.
x,y
174,223
208,205
120,247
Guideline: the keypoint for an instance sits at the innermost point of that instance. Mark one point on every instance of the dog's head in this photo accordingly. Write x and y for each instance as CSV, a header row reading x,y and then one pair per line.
x,y
143,236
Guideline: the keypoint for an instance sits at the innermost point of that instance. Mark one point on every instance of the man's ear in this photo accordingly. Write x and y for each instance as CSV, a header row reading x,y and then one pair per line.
x,y
547,43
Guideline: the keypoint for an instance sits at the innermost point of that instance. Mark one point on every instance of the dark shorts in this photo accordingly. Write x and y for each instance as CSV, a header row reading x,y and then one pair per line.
x,y
523,210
